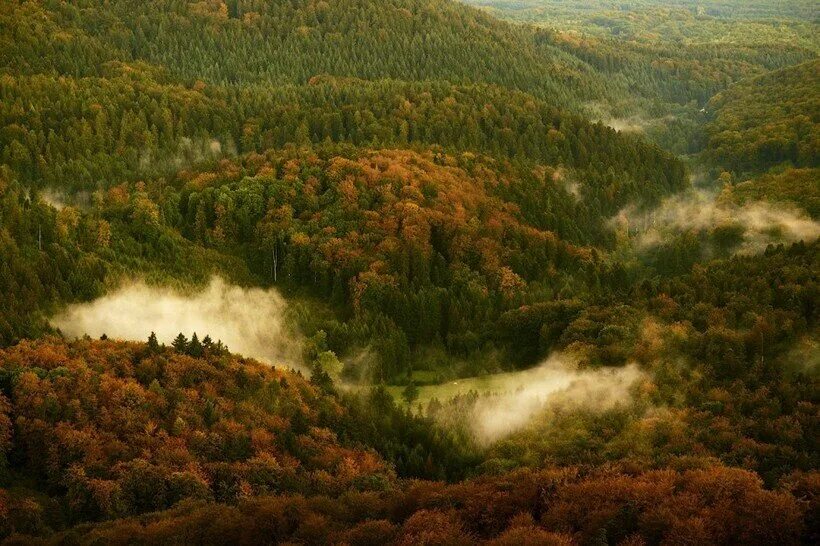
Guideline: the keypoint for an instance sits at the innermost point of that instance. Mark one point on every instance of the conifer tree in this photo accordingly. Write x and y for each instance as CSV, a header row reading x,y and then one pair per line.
x,y
195,347
153,344
410,394
180,343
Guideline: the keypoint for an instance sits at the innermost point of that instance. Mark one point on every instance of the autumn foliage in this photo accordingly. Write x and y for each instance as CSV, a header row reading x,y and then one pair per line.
x,y
115,428
219,448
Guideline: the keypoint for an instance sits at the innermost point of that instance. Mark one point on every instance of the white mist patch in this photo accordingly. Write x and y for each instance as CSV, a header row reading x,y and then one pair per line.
x,y
556,380
250,321
627,125
498,405
188,152
761,222
53,198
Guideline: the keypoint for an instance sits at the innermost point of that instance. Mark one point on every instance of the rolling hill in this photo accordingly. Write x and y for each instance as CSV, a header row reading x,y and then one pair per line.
x,y
764,121
255,42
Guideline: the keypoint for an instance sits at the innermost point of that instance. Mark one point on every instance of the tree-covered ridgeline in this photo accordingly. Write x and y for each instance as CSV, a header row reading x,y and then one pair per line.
x,y
769,120
246,42
84,133
112,441
665,60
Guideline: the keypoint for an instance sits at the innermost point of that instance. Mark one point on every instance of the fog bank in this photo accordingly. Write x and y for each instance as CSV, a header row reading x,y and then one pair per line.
x,y
53,198
250,321
522,396
760,222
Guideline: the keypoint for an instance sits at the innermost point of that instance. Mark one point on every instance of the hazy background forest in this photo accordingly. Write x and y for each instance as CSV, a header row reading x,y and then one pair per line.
x,y
409,271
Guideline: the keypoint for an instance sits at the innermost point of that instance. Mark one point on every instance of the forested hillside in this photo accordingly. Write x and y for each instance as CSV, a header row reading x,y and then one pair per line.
x,y
113,429
543,272
412,242
798,187
55,255
768,120
95,430
766,132
78,123
670,58
256,42
423,248
81,134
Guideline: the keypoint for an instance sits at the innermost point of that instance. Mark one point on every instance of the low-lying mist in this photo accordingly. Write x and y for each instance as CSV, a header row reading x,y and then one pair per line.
x,y
53,198
634,124
250,321
189,151
759,223
512,401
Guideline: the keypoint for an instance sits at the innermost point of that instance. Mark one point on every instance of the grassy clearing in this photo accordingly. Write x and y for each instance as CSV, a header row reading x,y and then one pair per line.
x,y
491,383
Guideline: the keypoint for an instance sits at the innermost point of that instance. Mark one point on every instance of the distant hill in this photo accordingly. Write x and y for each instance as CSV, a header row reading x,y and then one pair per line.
x,y
666,59
768,120
105,92
253,42
719,9
130,123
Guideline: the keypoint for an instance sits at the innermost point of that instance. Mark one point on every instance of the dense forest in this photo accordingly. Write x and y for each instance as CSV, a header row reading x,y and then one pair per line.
x,y
768,120
147,127
548,271
245,453
247,42
671,57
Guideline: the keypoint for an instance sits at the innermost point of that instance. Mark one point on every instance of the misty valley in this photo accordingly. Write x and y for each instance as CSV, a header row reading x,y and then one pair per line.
x,y
410,272
255,323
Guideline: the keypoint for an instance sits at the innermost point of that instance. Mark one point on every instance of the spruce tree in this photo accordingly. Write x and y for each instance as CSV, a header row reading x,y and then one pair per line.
x,y
195,347
180,343
153,344
410,394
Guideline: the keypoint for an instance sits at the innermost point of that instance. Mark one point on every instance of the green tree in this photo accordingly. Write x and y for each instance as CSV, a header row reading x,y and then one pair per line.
x,y
410,394
195,347
153,344
180,343
330,364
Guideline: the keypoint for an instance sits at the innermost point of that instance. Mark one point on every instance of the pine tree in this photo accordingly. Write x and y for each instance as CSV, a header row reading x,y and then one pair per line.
x,y
195,347
320,378
410,394
180,343
153,344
